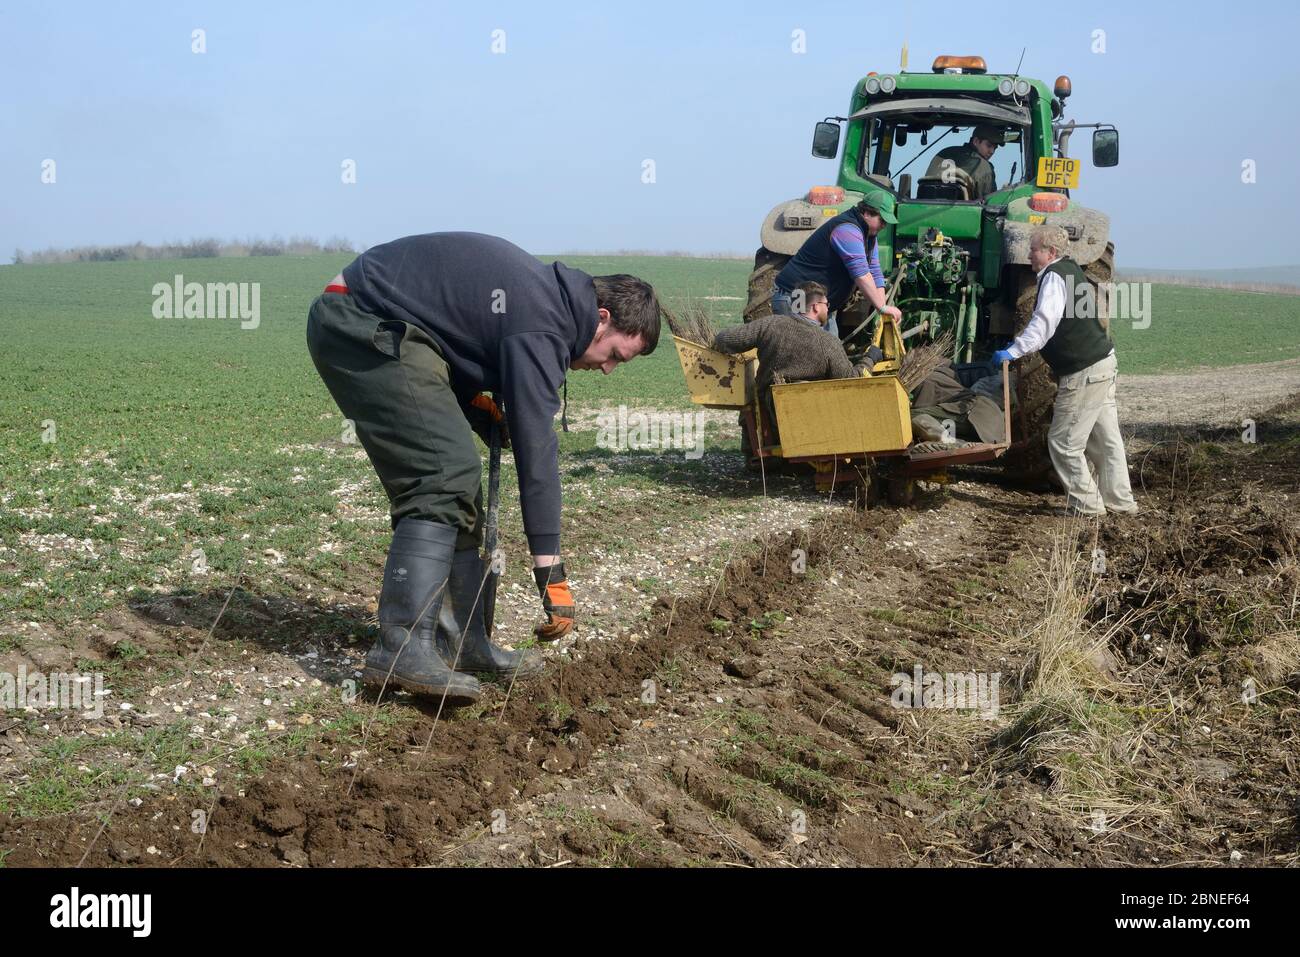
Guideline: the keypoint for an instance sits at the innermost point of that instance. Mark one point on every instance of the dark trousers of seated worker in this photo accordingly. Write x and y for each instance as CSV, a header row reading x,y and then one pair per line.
x,y
765,423
768,411
389,378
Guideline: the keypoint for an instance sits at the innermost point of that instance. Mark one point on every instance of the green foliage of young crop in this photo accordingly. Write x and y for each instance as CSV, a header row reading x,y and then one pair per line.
x,y
177,437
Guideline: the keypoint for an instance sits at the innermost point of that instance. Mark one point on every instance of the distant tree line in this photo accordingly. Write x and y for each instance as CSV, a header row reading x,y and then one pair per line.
x,y
666,253
1182,279
194,249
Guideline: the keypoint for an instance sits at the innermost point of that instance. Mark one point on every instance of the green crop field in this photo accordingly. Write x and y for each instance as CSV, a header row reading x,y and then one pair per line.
x,y
129,444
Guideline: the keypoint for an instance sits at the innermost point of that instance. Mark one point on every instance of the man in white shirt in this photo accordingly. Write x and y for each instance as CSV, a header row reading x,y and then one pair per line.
x,y
1076,346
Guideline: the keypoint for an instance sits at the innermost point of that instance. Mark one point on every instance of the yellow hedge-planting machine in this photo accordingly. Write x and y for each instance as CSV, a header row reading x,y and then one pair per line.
x,y
847,430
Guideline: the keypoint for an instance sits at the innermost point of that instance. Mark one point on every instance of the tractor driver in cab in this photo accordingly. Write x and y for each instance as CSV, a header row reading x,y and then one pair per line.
x,y
793,347
972,158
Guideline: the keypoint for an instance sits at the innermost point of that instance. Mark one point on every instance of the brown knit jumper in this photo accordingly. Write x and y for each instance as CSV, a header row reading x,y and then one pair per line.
x,y
790,347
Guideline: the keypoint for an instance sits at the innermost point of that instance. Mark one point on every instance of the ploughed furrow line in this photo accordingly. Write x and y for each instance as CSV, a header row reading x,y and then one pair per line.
x,y
808,759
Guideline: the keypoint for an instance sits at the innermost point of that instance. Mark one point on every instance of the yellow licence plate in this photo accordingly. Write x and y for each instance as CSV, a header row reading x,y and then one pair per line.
x,y
1058,171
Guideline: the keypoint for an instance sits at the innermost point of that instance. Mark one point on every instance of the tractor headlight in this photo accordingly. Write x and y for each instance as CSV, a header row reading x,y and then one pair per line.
x,y
872,86
888,84
1022,88
1006,86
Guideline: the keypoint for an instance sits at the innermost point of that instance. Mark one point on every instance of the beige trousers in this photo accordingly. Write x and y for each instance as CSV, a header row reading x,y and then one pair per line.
x,y
1085,437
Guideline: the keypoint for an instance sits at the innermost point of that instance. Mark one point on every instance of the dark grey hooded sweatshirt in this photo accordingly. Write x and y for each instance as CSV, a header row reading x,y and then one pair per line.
x,y
505,323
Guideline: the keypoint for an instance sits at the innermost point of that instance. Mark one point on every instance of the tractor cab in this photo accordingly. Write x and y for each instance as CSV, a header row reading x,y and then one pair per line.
x,y
948,154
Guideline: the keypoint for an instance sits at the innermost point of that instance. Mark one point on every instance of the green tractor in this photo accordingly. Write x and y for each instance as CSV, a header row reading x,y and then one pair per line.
x,y
959,256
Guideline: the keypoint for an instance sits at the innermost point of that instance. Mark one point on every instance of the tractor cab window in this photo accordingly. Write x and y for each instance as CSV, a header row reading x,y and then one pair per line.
x,y
922,159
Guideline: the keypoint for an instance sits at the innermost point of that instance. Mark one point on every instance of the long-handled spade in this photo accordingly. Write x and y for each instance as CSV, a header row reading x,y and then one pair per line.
x,y
490,540
490,526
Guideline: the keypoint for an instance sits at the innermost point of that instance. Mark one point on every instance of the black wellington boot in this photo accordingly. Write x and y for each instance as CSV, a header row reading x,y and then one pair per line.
x,y
461,628
415,576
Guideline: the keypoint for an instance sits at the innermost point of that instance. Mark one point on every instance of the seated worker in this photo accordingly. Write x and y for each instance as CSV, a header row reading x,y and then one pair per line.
x,y
973,158
792,348
809,302
976,412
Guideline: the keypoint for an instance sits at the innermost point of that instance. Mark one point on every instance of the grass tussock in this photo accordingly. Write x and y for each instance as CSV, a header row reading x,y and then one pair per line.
x,y
691,322
920,361
1075,721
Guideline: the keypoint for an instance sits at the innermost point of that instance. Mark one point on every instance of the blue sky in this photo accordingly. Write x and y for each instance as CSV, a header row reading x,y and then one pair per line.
x,y
544,144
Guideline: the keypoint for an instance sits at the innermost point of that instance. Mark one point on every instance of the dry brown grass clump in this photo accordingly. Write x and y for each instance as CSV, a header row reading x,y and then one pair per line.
x,y
692,322
1075,719
919,362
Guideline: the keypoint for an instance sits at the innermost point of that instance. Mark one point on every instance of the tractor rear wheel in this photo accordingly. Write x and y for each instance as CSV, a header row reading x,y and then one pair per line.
x,y
761,282
1028,460
1102,270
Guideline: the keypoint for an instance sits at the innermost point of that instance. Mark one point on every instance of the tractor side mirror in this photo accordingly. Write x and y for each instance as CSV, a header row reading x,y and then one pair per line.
x,y
826,140
1105,147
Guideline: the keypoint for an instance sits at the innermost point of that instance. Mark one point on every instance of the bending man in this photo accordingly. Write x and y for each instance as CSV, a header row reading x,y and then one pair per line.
x,y
406,338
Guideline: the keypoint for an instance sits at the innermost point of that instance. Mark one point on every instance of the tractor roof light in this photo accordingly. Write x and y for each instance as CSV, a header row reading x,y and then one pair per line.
x,y
1049,202
872,85
1006,86
1062,88
959,64
826,195
1022,87
888,84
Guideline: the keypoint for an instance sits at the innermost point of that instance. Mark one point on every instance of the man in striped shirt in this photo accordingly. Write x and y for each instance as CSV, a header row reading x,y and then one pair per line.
x,y
842,255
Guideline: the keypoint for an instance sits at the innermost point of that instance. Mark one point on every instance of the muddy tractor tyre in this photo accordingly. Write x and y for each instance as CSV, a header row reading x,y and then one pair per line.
x,y
1028,461
761,282
1102,270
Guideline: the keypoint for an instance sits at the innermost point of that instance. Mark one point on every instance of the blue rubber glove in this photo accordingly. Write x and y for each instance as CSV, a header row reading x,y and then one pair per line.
x,y
1001,356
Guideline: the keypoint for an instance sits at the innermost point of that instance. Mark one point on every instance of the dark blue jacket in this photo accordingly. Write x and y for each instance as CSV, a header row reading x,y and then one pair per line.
x,y
817,261
505,323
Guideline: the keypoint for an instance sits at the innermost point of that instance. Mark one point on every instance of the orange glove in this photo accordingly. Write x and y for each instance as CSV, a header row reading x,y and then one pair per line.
x,y
557,602
491,413
484,401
